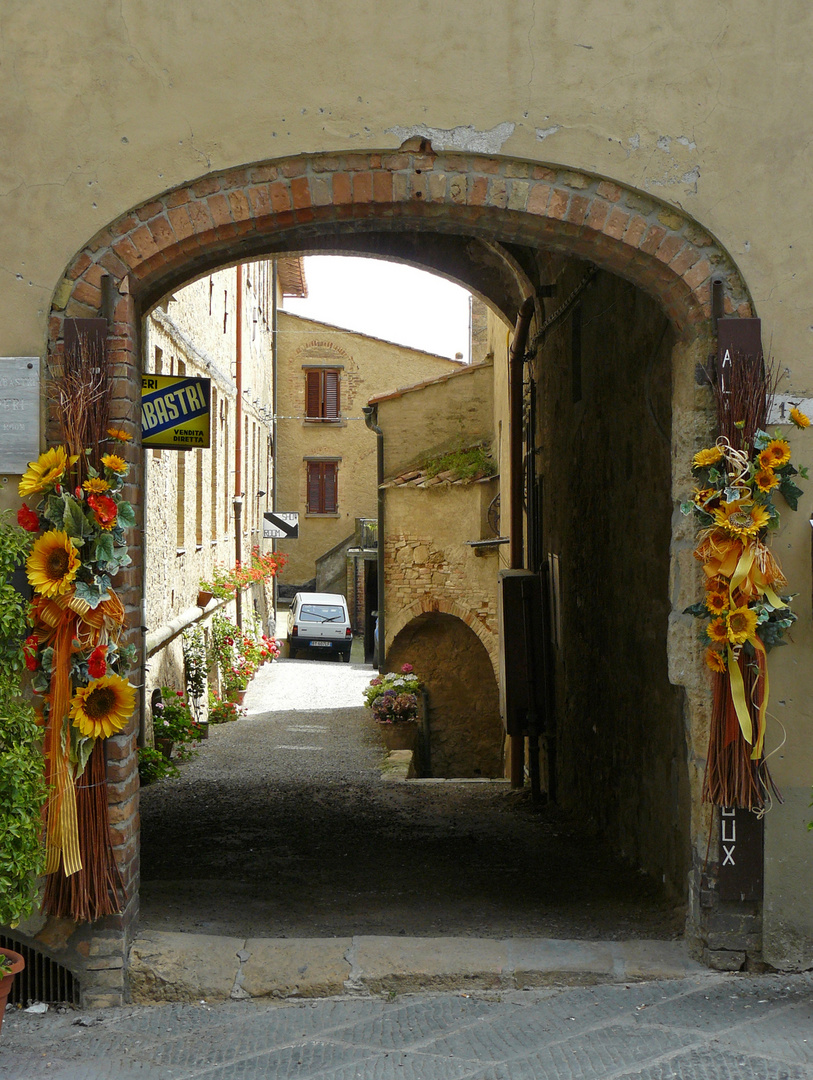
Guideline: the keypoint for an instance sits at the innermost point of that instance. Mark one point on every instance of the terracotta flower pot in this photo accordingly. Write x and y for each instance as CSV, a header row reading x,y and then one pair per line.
x,y
17,964
203,598
399,736
165,746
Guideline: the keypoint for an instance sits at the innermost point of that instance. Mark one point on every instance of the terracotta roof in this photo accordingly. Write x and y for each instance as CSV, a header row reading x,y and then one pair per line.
x,y
467,369
420,478
291,273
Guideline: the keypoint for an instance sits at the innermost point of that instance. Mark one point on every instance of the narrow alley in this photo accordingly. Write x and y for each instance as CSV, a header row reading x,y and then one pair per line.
x,y
284,825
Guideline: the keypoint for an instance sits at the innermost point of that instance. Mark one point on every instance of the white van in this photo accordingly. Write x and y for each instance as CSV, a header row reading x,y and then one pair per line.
x,y
320,621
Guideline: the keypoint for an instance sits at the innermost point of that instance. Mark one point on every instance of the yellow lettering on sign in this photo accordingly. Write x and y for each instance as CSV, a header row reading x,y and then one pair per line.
x,y
161,412
148,412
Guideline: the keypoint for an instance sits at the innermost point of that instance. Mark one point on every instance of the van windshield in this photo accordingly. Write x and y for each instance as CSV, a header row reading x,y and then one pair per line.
x,y
320,613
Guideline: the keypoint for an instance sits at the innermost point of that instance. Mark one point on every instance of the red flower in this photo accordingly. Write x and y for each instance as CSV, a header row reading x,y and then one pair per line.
x,y
104,510
97,662
28,519
30,646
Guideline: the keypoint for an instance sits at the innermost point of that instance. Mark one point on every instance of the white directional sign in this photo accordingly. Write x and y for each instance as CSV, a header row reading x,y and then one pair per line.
x,y
278,526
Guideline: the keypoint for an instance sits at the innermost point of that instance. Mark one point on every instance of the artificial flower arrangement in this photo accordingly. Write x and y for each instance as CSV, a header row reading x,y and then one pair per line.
x,y
78,664
226,581
746,607
393,698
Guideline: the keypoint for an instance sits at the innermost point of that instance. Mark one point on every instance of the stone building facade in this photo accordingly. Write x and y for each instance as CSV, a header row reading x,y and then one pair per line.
x,y
440,577
310,445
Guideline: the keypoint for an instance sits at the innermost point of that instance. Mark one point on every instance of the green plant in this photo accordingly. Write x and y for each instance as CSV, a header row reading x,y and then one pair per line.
x,y
22,784
237,655
470,463
5,966
226,581
172,718
152,765
222,712
195,668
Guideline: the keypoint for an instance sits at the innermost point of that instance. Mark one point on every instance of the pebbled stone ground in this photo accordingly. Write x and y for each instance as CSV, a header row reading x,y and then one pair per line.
x,y
714,1027
283,826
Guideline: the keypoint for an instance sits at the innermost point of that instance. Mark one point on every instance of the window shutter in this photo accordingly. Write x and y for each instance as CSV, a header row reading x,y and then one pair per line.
x,y
314,488
330,475
313,397
331,395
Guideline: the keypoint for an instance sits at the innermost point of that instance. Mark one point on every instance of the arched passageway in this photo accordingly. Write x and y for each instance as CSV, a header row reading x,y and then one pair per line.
x,y
561,215
465,730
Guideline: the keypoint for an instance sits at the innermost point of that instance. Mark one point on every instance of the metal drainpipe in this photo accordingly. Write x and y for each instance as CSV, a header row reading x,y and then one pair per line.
x,y
370,418
274,339
516,356
238,440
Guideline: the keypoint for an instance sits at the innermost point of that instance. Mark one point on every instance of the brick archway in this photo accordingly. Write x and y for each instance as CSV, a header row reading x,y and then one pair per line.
x,y
436,605
241,212
277,206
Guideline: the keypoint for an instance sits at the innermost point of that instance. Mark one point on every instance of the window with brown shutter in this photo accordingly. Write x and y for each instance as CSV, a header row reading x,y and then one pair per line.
x,y
323,487
322,394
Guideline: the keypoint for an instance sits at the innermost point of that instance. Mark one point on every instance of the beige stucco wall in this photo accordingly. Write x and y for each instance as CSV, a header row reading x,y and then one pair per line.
x,y
367,367
449,414
707,107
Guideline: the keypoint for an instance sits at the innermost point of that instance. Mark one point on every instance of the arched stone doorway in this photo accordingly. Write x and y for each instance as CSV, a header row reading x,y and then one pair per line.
x,y
281,206
465,730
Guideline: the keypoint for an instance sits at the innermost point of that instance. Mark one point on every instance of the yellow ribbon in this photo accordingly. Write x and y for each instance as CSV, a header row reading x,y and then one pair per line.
x,y
756,753
738,697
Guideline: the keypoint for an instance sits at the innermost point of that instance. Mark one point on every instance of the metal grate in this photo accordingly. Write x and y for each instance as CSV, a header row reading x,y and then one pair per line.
x,y
42,979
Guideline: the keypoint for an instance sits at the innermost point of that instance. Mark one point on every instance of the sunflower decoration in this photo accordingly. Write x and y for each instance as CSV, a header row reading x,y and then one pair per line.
x,y
103,707
115,464
53,564
95,485
766,480
741,519
775,454
118,435
799,419
45,472
715,659
703,459
741,625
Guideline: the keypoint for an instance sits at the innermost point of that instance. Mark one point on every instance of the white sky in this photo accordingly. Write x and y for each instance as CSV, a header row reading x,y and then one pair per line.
x,y
386,300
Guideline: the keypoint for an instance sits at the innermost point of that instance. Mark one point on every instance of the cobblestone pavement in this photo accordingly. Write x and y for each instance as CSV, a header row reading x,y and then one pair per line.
x,y
713,1027
285,826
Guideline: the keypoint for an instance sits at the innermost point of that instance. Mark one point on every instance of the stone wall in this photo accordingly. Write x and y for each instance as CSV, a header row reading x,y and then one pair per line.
x,y
603,392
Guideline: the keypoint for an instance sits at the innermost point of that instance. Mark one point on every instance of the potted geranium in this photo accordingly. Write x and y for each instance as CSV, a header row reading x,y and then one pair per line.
x,y
173,722
393,700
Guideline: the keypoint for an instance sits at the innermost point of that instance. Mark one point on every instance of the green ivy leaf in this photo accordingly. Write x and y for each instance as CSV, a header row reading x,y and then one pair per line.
x,y
126,515
791,492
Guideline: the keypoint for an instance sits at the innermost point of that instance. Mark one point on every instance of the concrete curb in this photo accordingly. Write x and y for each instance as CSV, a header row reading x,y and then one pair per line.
x,y
194,967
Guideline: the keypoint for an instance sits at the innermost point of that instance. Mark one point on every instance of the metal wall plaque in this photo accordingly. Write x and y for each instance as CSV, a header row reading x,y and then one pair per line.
x,y
19,412
175,412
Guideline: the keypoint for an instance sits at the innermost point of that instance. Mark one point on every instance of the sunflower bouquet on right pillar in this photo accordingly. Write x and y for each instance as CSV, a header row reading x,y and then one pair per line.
x,y
746,608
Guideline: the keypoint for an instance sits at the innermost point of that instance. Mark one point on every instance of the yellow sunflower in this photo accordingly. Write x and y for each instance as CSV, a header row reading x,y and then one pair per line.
x,y
742,625
775,455
715,659
103,707
48,469
717,631
96,485
52,564
114,463
703,458
766,479
741,519
799,418
118,434
717,602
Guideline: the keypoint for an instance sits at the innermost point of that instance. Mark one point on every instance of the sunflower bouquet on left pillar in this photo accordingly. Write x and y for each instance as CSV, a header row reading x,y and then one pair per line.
x,y
79,666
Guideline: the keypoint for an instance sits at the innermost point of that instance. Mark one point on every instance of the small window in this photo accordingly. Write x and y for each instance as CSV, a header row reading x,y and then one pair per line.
x,y
323,487
322,394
